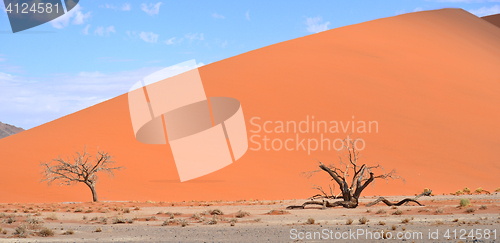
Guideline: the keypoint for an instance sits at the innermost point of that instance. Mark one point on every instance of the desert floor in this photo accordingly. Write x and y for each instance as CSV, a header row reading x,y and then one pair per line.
x,y
441,217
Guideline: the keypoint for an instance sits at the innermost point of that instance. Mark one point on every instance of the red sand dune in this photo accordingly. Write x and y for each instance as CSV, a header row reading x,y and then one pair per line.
x,y
430,80
494,19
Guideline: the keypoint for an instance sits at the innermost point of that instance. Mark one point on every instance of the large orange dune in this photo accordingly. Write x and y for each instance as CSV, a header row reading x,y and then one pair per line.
x,y
494,19
429,79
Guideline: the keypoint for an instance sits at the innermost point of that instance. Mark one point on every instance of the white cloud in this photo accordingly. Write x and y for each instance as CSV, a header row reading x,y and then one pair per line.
x,y
315,24
218,16
170,41
3,59
32,101
195,36
418,9
224,44
126,7
152,9
484,11
247,15
101,31
76,14
85,30
400,12
149,37
108,6
80,17
95,74
6,76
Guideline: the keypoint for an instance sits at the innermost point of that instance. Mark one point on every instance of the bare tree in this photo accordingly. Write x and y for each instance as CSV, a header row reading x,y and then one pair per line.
x,y
359,176
83,169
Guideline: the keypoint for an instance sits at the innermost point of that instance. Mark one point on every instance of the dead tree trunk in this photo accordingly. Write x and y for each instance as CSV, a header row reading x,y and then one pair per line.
x,y
361,177
92,189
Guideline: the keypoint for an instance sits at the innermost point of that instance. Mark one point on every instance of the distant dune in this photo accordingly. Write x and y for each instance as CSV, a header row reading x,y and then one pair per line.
x,y
7,130
494,19
429,79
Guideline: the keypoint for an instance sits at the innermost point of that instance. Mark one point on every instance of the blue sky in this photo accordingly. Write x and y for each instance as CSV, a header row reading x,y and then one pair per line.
x,y
101,48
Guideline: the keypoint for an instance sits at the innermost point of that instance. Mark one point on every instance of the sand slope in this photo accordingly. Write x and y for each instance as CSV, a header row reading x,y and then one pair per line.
x,y
430,79
494,19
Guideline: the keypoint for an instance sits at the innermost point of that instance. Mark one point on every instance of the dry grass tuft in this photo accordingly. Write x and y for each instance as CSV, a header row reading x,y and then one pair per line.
x,y
397,212
363,220
242,214
349,221
310,221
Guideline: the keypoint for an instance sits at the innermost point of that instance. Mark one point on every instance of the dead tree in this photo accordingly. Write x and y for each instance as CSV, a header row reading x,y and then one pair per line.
x,y
83,169
359,177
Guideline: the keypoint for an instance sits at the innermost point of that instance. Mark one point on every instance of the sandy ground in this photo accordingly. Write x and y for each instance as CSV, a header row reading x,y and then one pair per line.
x,y
440,214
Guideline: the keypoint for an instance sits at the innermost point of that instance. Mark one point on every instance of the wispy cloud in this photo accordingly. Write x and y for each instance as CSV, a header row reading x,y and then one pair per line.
x,y
126,7
149,37
123,7
113,59
173,41
418,9
315,24
34,101
85,30
218,16
76,14
247,15
484,11
191,37
151,9
224,44
101,31
3,59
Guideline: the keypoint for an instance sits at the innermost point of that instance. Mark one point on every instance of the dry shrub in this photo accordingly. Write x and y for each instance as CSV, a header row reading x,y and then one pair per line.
x,y
242,214
98,229
119,220
381,211
169,222
483,207
397,212
405,221
216,212
363,220
214,220
470,210
381,223
183,223
349,221
464,202
69,232
21,231
310,221
46,232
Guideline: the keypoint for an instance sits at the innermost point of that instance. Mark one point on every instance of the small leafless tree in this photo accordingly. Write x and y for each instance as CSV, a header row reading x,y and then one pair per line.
x,y
83,169
358,175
